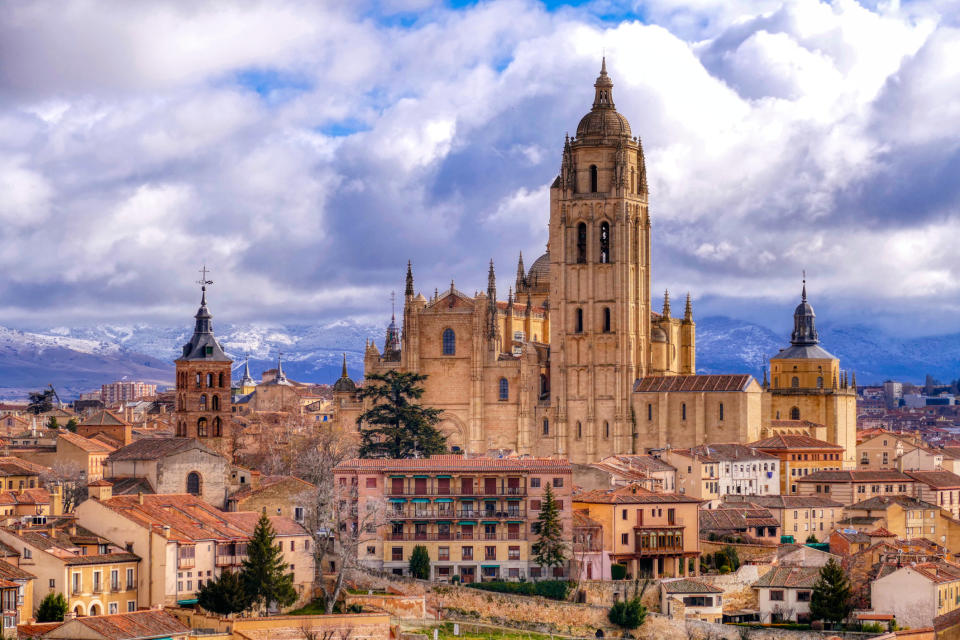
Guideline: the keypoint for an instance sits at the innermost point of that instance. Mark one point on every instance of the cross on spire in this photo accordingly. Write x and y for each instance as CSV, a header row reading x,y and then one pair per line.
x,y
203,276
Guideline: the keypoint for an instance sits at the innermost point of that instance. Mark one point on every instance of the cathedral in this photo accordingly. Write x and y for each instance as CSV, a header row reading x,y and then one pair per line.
x,y
576,362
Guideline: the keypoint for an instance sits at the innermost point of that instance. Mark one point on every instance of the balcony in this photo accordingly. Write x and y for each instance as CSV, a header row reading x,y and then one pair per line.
x,y
131,586
676,523
186,563
426,514
226,561
455,537
115,586
76,590
476,492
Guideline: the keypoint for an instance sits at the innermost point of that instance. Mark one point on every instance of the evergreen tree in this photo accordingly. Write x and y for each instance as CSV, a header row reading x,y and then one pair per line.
x,y
831,599
225,595
812,538
72,425
264,576
549,550
420,563
40,402
52,423
52,608
628,614
396,426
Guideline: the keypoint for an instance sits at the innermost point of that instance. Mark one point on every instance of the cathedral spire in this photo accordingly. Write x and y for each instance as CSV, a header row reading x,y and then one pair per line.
x,y
408,292
343,372
281,377
666,304
603,98
521,272
492,330
688,310
203,345
804,321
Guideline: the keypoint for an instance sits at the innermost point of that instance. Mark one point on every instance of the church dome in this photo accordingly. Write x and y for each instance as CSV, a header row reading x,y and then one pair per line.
x,y
603,119
344,385
540,270
658,335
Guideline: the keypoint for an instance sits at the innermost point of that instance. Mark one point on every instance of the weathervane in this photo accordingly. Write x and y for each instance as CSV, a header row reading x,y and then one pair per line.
x,y
203,277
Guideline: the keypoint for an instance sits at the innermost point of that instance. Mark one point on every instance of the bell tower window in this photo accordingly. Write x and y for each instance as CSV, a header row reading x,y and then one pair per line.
x,y
795,413
604,243
594,179
578,321
581,243
606,319
795,382
504,389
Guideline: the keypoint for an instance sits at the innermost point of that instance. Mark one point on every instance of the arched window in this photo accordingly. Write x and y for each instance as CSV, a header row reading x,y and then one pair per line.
x,y
606,429
582,243
546,427
199,380
449,342
604,242
795,413
203,402
202,428
633,180
193,483
683,411
819,382
578,321
606,319
209,380
181,429
721,412
594,179
504,389
794,382
649,412
579,430
220,381
217,427
215,403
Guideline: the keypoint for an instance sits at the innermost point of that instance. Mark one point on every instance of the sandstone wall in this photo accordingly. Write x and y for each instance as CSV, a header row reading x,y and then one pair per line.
x,y
400,606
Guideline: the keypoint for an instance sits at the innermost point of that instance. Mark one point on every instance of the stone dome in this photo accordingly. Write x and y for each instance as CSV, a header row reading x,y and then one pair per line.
x,y
658,335
344,385
540,270
603,119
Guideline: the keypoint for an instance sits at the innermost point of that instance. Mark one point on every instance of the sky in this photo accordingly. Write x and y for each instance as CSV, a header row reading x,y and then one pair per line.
x,y
304,151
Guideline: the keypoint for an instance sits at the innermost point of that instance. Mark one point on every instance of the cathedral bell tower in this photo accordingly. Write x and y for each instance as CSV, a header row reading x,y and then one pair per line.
x,y
599,252
203,384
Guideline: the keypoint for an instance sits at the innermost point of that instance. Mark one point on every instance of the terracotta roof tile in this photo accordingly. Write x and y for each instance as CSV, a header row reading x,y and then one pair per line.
x,y
88,445
936,479
884,475
787,441
631,494
685,585
136,624
790,577
155,448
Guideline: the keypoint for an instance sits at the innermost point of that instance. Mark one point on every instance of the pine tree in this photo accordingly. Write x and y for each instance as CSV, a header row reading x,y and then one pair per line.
x,y
52,608
396,426
831,599
420,563
225,595
40,402
264,576
549,550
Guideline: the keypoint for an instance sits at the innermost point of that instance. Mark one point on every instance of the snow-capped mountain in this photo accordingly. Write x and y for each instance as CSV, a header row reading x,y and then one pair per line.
x,y
81,359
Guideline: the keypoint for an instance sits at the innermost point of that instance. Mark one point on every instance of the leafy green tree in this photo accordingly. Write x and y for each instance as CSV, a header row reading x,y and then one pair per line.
x,y
628,614
52,608
420,563
40,401
549,550
397,426
225,595
831,600
72,425
264,575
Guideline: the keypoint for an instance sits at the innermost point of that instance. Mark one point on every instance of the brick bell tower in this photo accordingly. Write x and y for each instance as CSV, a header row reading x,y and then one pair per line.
x,y
600,282
203,383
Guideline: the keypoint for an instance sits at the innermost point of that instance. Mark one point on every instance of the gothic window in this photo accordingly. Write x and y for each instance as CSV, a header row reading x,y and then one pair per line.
x,y
209,380
582,243
593,179
544,385
578,321
604,243
579,431
215,403
202,428
606,429
683,411
794,382
217,427
504,389
203,402
546,427
193,483
819,382
795,413
606,319
633,179
721,412
199,380
220,381
449,342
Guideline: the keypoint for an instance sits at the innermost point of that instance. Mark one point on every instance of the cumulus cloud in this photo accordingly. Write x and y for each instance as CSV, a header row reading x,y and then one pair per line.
x,y
306,150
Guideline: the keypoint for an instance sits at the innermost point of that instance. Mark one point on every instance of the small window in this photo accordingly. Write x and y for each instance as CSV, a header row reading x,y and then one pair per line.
x,y
721,412
776,595
579,430
606,429
203,402
557,483
649,411
215,403
534,483
795,413
449,342
594,178
209,380
504,389
581,243
193,483
819,382
604,243
795,382
578,321
606,319
546,427
683,411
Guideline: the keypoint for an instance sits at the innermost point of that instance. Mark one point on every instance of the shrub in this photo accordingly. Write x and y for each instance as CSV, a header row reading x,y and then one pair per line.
x,y
52,608
628,614
552,589
618,571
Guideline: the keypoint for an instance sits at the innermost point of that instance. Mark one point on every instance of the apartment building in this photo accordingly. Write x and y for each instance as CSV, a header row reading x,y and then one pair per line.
x,y
941,488
477,517
697,475
880,449
784,593
121,392
918,593
96,576
740,469
904,516
22,609
799,457
849,487
184,541
799,516
653,534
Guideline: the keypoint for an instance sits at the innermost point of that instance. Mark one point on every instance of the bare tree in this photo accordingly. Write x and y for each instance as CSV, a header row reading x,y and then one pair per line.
x,y
72,479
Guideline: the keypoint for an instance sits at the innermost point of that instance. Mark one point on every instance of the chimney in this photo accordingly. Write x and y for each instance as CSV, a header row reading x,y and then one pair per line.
x,y
139,497
166,531
101,490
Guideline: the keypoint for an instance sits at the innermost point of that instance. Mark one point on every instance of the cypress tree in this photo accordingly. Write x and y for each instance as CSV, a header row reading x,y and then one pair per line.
x,y
420,563
264,575
549,550
52,608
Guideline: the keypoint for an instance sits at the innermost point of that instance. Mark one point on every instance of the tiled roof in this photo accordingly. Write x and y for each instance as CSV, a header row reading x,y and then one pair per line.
x,y
787,441
9,571
853,536
786,502
582,520
457,463
645,462
88,445
631,494
62,538
150,623
25,496
729,452
789,577
36,629
952,452
883,502
155,448
129,486
936,479
685,585
946,621
659,384
736,518
938,572
267,482
795,424
13,466
102,419
883,475
881,533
